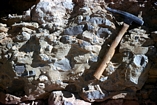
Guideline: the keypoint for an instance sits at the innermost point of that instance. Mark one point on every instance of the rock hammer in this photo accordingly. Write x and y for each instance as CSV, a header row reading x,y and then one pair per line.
x,y
128,19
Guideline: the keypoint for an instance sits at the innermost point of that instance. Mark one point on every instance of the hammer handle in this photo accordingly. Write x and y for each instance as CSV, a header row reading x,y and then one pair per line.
x,y
110,52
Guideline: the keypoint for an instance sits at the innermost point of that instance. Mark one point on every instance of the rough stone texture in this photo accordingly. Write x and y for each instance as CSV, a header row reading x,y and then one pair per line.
x,y
58,45
51,11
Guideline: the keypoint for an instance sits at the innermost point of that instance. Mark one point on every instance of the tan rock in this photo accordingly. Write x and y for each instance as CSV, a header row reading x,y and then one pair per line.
x,y
3,29
32,25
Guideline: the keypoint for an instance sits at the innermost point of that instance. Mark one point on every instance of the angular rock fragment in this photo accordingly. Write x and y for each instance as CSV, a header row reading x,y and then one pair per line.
x,y
61,50
93,93
63,65
74,30
101,21
51,11
103,32
20,69
3,29
32,25
23,37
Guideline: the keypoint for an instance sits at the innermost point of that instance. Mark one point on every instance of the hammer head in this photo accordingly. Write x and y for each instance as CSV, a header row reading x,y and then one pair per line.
x,y
129,18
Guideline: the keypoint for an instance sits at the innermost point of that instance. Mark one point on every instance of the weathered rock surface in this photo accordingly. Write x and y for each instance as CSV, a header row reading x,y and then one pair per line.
x,y
52,50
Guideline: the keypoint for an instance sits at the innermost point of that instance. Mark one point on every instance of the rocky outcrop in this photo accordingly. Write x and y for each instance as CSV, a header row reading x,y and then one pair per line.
x,y
51,51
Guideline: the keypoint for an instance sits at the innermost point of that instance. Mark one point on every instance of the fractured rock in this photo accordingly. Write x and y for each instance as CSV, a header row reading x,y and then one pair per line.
x,y
91,37
103,32
74,30
93,93
3,29
32,25
61,50
63,65
23,37
51,11
101,21
134,42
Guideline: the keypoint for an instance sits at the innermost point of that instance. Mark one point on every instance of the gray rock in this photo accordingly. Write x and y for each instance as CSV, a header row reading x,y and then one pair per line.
x,y
140,60
87,18
94,58
104,32
93,93
91,38
44,57
85,10
74,30
63,65
26,15
68,4
83,44
23,37
88,27
51,11
66,39
20,69
61,50
26,36
99,20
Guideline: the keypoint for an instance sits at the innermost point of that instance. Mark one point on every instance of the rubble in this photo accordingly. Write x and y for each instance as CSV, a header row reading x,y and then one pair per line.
x,y
51,50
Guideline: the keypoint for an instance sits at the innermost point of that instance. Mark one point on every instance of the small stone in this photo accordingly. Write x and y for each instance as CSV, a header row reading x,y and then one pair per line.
x,y
66,39
32,25
99,20
63,65
61,50
93,93
19,69
2,35
43,78
103,32
88,27
74,30
3,29
41,85
140,60
26,36
51,38
44,57
27,15
23,37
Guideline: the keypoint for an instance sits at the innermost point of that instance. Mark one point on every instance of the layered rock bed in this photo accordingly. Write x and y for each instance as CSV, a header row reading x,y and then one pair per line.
x,y
50,49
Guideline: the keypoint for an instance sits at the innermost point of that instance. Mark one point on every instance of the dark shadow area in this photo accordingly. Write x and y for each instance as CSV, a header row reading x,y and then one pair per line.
x,y
14,7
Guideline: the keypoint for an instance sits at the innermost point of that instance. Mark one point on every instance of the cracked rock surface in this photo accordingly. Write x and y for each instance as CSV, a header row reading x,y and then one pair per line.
x,y
50,49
